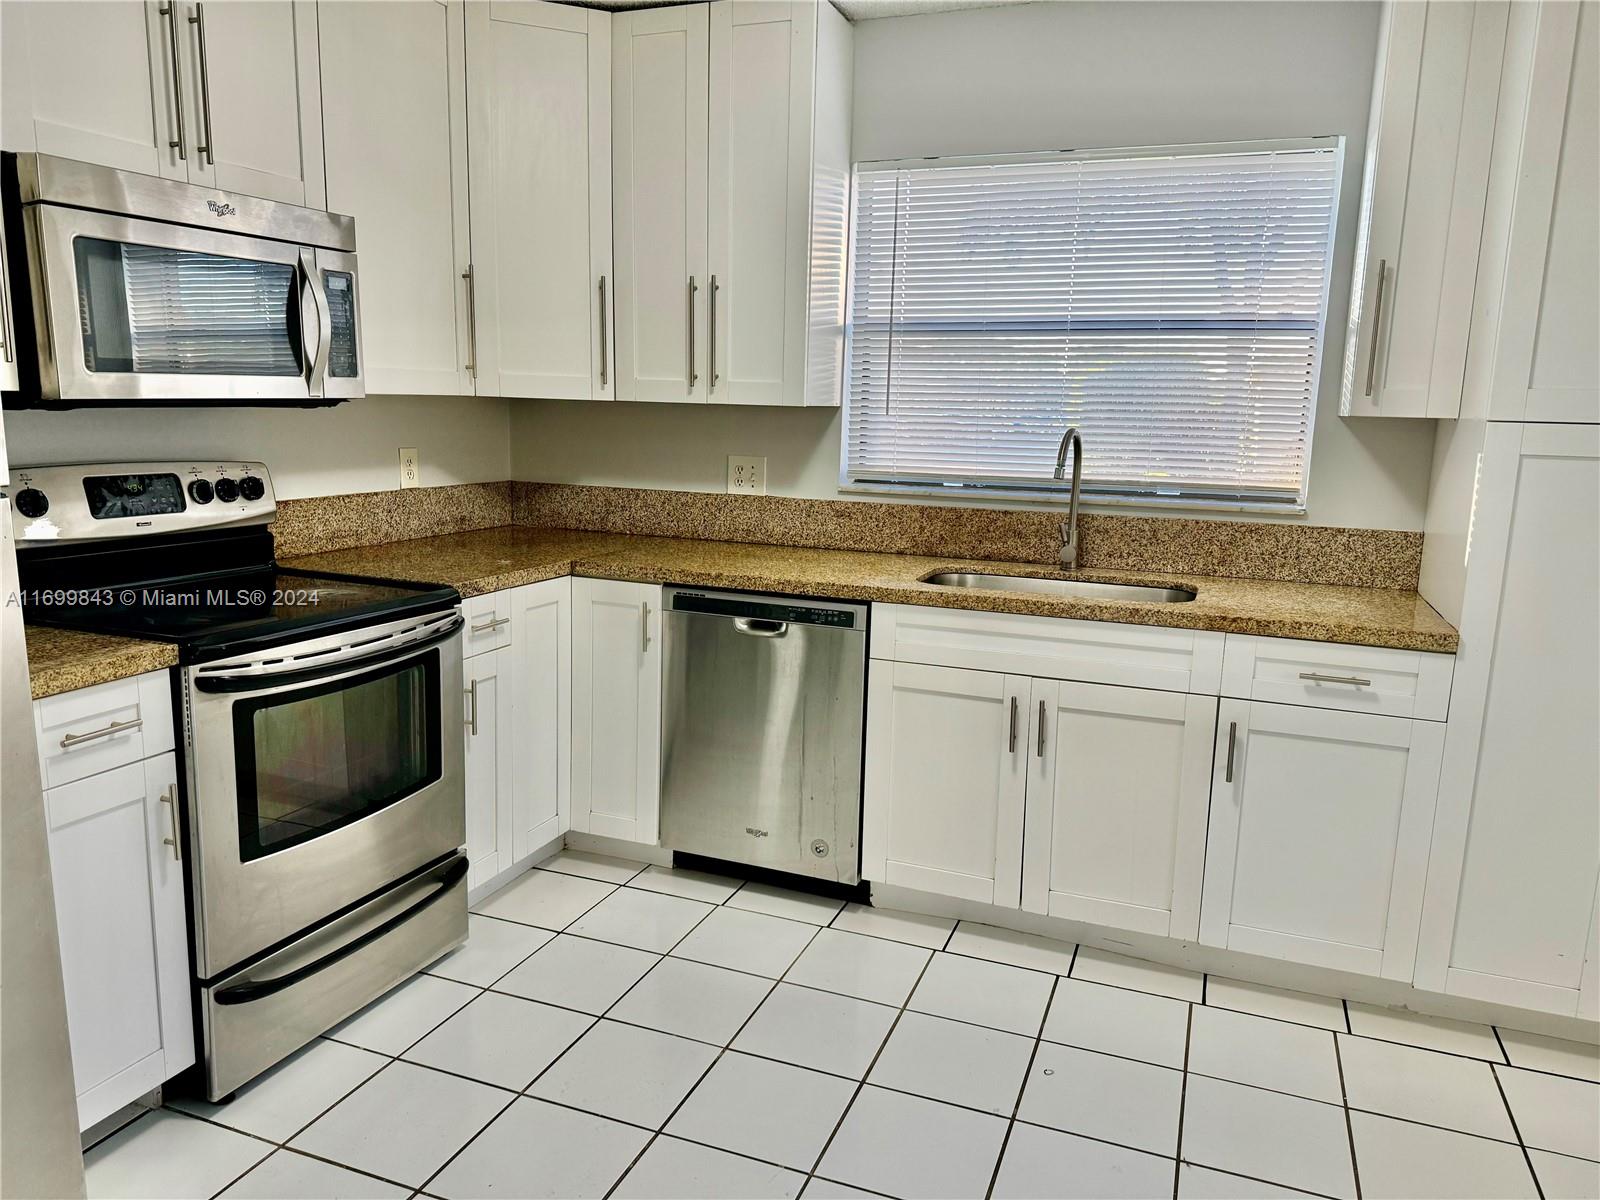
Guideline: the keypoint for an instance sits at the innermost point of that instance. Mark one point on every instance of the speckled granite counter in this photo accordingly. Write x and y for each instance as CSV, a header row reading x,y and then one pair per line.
x,y
488,560
63,660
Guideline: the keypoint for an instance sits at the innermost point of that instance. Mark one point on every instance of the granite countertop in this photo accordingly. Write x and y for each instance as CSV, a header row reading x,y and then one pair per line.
x,y
63,660
489,560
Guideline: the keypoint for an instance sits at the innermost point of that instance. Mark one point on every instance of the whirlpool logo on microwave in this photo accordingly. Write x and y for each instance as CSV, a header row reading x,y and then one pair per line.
x,y
220,208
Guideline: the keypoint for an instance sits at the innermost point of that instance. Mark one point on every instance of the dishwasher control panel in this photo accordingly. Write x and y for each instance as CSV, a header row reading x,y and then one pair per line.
x,y
728,604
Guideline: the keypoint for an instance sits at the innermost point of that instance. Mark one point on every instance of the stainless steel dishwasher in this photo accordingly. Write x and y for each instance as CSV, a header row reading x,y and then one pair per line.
x,y
762,711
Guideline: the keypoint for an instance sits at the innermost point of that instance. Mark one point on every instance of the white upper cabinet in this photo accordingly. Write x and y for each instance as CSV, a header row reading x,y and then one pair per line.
x,y
539,112
394,108
1532,354
1422,207
660,72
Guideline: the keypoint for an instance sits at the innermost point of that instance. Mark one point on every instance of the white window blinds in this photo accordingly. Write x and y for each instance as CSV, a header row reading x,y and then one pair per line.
x,y
1170,303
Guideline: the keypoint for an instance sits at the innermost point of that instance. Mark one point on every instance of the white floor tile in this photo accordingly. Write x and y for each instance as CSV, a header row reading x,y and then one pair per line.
x,y
1279,1003
1101,966
393,1021
1266,1053
827,1189
540,1151
1581,1060
675,1170
1114,1099
907,1146
768,1110
1554,1112
691,885
1268,1136
603,867
1429,1033
746,941
985,993
634,1075
1202,1183
492,948
1423,1085
290,1176
1008,946
781,902
1045,1164
403,1123
693,1000
866,967
289,1097
1112,1020
501,1040
171,1156
955,1062
578,973
1565,1178
817,1029
912,928
641,919
545,898
1419,1162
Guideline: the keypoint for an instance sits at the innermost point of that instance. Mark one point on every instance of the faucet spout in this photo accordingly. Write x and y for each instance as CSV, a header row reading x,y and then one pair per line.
x,y
1070,440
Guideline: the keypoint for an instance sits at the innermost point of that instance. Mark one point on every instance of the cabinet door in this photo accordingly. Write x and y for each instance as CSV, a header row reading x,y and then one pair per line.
x,y
1318,843
253,98
488,774
1423,198
946,769
394,107
1516,854
120,916
1118,786
763,60
94,81
616,709
660,64
541,721
539,81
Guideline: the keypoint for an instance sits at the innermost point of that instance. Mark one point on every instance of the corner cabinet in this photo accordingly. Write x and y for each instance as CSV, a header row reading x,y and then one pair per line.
x,y
616,709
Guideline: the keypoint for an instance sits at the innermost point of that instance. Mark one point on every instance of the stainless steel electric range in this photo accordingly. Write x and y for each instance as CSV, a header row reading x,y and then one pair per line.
x,y
324,810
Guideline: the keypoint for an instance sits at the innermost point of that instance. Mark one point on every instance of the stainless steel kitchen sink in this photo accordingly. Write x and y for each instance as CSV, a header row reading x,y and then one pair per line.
x,y
1062,587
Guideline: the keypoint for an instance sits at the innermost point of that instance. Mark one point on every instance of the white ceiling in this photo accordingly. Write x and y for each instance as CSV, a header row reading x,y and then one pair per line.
x,y
855,10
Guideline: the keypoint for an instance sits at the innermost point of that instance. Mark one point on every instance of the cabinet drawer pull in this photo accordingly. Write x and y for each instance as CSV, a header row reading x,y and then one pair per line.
x,y
170,799
1377,324
177,80
694,376
472,321
644,626
489,626
1041,729
1314,677
713,346
603,347
111,730
1011,745
472,708
1233,739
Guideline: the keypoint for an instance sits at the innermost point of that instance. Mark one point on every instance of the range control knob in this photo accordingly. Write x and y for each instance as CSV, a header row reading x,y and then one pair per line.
x,y
201,491
32,503
227,490
251,488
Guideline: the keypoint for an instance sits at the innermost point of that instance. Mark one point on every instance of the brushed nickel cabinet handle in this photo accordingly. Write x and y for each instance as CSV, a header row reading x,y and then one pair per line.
x,y
713,337
472,708
1011,746
111,730
694,376
487,626
1314,677
177,80
1377,324
170,799
1041,729
644,625
603,348
1233,738
472,321
209,149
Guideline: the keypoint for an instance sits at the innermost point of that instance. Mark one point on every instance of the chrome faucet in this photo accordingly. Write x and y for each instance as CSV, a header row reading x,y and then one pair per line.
x,y
1072,440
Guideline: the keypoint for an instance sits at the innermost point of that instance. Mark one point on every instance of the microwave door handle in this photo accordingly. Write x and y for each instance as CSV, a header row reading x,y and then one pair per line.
x,y
311,278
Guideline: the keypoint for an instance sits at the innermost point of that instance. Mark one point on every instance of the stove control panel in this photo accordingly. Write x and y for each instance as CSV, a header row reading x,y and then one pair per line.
x,y
88,501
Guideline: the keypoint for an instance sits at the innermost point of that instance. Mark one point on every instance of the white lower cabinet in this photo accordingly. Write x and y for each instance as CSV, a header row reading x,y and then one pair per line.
x,y
1318,843
946,771
1118,785
616,709
118,882
486,678
541,705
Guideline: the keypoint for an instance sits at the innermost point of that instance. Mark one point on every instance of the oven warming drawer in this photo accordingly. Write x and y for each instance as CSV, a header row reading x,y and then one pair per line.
x,y
256,1017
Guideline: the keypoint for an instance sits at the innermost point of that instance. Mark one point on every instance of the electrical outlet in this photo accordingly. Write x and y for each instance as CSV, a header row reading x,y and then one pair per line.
x,y
747,475
410,467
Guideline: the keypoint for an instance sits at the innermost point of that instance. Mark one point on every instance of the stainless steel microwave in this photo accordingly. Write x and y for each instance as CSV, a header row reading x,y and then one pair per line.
x,y
132,290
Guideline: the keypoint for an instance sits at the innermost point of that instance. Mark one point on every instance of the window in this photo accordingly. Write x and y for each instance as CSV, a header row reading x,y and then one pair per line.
x,y
1168,302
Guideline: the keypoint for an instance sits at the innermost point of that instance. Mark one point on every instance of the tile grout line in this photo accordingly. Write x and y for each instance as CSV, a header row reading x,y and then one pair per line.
x,y
1183,1090
1349,1123
1515,1128
1027,1075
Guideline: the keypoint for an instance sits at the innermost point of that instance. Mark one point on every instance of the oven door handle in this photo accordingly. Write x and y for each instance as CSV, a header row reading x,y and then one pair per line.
x,y
264,681
244,993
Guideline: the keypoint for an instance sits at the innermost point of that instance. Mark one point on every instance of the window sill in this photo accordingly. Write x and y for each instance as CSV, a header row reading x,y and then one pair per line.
x,y
994,497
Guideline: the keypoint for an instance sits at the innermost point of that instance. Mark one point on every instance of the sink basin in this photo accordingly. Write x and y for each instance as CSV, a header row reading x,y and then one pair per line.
x,y
1062,587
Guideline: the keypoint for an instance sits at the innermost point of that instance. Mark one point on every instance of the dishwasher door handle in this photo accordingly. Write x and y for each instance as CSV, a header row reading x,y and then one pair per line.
x,y
759,627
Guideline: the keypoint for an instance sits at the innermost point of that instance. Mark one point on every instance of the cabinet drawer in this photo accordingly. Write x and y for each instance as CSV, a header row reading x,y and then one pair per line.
x,y
1173,660
96,728
488,623
1394,683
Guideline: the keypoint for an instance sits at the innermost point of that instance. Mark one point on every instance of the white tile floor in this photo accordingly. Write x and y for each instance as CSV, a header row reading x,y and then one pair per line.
x,y
616,1031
